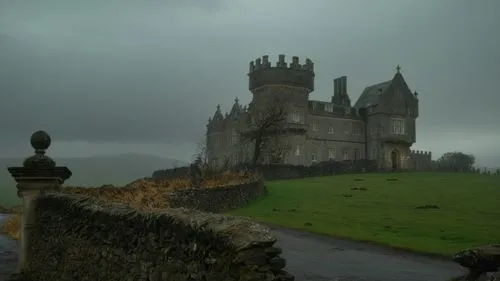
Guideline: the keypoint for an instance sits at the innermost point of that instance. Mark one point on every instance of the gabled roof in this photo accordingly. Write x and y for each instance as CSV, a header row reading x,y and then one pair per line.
x,y
371,94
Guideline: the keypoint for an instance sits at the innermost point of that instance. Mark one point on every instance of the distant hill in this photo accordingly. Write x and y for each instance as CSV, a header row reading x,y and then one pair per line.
x,y
91,171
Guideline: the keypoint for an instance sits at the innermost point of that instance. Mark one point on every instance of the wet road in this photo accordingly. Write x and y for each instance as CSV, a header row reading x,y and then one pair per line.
x,y
8,254
312,257
321,258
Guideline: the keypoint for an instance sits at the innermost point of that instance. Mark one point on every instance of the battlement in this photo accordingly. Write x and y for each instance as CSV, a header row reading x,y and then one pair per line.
x,y
262,73
421,160
265,63
420,152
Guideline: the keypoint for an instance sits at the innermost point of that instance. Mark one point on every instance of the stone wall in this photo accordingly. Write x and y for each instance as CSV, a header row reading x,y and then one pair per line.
x,y
287,171
217,199
421,160
80,238
283,171
178,172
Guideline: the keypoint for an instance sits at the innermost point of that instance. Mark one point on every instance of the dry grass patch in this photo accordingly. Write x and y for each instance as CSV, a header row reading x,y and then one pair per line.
x,y
142,194
11,226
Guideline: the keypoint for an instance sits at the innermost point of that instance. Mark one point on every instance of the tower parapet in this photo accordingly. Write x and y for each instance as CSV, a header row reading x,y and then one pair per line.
x,y
421,160
262,73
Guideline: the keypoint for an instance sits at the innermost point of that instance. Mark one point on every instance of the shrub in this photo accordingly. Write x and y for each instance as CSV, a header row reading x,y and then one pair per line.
x,y
12,226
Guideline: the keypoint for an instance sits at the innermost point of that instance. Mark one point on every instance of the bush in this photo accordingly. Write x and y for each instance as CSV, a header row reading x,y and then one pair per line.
x,y
12,226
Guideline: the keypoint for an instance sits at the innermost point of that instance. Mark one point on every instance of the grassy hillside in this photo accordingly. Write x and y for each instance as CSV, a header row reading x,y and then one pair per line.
x,y
462,209
90,171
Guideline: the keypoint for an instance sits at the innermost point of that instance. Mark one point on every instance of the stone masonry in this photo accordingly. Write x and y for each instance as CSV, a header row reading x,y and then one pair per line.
x,y
78,237
379,126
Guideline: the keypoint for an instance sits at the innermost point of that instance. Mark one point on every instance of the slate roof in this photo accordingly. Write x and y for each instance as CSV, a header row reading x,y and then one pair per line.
x,y
371,94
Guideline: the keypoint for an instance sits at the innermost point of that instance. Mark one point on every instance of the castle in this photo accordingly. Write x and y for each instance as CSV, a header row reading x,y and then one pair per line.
x,y
379,126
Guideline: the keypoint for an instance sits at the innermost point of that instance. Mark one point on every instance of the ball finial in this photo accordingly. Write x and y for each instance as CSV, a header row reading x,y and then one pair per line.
x,y
40,141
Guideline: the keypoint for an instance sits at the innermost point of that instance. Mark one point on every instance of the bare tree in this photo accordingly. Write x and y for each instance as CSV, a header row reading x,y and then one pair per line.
x,y
201,155
265,124
277,148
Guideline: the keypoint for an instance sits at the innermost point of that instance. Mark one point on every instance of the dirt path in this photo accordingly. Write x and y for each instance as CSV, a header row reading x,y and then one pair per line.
x,y
321,258
313,257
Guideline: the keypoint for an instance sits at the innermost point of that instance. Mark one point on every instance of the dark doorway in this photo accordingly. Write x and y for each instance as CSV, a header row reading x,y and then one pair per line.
x,y
395,159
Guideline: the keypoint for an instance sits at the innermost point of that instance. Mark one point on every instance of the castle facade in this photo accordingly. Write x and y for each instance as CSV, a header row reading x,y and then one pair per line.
x,y
379,126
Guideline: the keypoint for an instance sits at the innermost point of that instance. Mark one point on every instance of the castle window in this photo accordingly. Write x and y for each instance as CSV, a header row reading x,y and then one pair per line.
x,y
234,159
329,107
234,137
346,155
332,153
296,117
331,131
315,126
297,150
314,158
355,130
398,126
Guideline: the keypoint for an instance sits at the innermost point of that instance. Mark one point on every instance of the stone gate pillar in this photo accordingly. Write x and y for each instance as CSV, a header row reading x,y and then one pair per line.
x,y
38,174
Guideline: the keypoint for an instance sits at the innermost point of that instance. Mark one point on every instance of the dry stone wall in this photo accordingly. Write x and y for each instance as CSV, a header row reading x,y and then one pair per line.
x,y
287,171
217,199
80,238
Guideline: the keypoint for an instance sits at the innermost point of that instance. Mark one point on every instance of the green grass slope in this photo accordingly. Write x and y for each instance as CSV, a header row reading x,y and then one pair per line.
x,y
370,207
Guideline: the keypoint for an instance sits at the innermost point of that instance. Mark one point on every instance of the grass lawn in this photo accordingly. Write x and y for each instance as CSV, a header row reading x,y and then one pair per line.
x,y
386,212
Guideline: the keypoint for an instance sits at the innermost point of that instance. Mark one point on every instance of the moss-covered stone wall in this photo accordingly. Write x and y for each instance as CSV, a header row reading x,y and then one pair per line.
x,y
217,199
76,237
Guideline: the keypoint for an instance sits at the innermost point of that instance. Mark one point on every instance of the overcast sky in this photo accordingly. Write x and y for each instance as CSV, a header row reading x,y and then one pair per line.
x,y
109,77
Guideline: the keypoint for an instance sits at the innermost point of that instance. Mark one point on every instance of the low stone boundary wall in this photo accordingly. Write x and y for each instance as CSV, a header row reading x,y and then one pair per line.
x,y
217,199
76,237
287,171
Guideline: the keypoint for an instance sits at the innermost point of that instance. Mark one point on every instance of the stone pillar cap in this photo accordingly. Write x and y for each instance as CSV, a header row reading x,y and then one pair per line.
x,y
40,141
40,166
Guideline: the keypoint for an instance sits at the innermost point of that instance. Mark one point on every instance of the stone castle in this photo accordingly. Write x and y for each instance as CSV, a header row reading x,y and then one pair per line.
x,y
379,126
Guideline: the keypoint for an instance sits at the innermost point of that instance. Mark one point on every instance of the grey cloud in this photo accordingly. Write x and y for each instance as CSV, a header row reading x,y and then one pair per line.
x,y
153,71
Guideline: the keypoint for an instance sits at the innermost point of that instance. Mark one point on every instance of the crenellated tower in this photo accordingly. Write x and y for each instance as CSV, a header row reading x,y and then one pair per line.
x,y
290,82
263,74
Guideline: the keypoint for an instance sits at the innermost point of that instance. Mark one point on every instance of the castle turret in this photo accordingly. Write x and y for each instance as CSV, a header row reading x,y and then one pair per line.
x,y
262,73
236,109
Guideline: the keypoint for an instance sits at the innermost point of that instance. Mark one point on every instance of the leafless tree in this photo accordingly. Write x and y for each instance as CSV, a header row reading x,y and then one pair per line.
x,y
201,154
266,123
277,147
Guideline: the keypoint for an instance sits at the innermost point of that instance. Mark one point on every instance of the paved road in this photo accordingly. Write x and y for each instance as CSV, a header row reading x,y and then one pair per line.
x,y
313,257
8,255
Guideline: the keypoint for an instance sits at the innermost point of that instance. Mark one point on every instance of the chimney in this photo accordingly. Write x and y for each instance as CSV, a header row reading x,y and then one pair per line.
x,y
335,86
343,89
